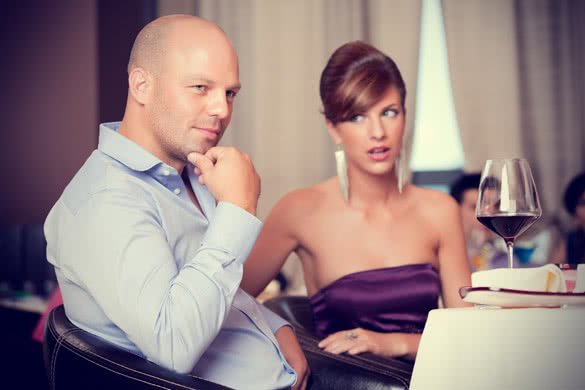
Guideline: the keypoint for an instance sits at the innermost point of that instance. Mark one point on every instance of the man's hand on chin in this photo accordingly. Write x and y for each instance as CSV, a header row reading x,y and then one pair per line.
x,y
294,355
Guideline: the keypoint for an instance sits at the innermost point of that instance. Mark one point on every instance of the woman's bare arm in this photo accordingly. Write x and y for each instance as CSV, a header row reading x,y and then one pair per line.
x,y
275,243
454,266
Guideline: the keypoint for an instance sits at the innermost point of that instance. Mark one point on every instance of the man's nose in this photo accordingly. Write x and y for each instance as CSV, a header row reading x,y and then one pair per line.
x,y
218,105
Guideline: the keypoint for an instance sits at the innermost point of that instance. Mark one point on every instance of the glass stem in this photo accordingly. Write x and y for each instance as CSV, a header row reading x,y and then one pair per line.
x,y
510,246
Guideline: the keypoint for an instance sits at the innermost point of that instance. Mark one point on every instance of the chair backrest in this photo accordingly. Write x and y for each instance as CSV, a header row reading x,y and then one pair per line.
x,y
76,359
328,371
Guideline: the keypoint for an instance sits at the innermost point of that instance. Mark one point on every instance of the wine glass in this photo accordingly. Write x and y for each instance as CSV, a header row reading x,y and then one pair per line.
x,y
508,202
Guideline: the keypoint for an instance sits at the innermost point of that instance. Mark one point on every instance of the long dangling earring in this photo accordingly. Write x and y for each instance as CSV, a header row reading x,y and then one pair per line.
x,y
399,174
341,165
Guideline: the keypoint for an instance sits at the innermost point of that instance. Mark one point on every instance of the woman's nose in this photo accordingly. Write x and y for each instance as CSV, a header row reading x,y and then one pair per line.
x,y
377,129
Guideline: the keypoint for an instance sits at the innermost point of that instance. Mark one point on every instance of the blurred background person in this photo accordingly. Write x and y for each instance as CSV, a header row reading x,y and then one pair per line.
x,y
572,248
485,249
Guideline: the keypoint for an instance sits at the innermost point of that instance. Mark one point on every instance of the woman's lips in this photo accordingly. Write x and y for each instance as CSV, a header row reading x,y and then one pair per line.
x,y
379,153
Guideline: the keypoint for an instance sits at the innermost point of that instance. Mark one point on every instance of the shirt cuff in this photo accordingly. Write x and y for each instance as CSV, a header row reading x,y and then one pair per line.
x,y
233,230
274,321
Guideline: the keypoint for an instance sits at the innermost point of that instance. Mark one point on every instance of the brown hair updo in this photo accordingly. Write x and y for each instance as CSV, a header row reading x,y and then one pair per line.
x,y
356,76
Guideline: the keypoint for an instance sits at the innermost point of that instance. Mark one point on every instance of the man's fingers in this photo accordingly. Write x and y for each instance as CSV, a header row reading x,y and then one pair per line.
x,y
201,162
214,153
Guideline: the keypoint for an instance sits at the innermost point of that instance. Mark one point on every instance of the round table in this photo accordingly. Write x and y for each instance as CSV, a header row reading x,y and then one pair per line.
x,y
494,348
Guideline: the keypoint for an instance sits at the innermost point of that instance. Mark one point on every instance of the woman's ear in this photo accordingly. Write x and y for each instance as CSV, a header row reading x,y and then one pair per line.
x,y
140,85
333,132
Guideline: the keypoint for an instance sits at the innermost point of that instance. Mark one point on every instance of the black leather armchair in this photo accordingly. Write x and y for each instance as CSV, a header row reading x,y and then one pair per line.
x,y
76,359
328,371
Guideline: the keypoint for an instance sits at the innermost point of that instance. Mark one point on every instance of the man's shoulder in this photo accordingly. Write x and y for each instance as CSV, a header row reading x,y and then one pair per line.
x,y
99,175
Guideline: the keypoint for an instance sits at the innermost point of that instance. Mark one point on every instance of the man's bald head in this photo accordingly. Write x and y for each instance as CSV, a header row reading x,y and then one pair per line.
x,y
153,41
183,76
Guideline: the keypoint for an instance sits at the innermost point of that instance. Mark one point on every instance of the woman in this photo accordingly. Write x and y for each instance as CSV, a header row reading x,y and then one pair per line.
x,y
376,253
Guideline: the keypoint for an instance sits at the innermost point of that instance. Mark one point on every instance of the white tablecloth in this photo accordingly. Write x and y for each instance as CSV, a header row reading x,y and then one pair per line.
x,y
491,348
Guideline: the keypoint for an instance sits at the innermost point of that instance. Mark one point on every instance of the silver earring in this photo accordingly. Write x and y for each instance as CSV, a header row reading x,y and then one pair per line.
x,y
341,165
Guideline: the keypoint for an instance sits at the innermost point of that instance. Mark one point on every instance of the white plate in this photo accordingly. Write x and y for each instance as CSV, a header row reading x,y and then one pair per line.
x,y
504,297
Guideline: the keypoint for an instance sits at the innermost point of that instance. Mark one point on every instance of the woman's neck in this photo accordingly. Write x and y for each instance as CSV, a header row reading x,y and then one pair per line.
x,y
367,190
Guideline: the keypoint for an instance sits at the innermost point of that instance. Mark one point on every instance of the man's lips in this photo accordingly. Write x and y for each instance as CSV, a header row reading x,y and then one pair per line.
x,y
211,133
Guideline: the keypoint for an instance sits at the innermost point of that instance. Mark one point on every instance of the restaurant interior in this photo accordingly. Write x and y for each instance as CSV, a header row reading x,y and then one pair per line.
x,y
514,79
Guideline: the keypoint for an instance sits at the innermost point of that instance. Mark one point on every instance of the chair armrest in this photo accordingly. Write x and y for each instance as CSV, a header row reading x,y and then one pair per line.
x,y
330,371
76,359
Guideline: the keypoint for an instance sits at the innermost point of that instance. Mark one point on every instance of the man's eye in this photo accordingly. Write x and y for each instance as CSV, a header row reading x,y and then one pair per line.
x,y
200,87
390,113
356,118
230,94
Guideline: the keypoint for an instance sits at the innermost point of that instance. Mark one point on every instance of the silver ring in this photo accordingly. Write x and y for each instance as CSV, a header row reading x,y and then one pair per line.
x,y
351,335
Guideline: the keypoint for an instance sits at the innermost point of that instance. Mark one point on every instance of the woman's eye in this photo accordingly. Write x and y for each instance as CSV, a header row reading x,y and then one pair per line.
x,y
390,113
199,87
356,118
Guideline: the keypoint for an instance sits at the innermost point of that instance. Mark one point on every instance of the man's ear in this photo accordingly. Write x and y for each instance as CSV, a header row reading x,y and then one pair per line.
x,y
333,132
140,85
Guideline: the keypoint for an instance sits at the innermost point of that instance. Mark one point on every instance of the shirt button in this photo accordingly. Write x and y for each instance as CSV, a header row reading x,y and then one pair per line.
x,y
177,191
166,172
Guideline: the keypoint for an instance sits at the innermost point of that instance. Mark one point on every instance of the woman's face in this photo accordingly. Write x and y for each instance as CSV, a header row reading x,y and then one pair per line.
x,y
372,140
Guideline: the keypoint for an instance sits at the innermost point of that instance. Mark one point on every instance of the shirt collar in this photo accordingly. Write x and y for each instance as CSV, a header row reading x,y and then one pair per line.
x,y
125,150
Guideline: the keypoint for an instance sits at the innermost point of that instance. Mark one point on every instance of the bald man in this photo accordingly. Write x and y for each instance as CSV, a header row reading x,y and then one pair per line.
x,y
149,238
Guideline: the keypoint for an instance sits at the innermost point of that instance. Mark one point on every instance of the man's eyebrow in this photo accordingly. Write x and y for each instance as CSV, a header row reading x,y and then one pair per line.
x,y
201,78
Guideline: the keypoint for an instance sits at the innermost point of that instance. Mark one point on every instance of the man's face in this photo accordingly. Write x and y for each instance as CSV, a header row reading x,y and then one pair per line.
x,y
193,96
468,203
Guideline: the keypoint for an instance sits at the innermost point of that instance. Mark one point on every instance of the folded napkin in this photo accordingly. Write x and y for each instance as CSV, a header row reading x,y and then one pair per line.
x,y
547,278
580,284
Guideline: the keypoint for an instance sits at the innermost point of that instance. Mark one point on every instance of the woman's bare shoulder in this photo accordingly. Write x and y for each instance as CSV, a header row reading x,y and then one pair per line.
x,y
305,200
435,203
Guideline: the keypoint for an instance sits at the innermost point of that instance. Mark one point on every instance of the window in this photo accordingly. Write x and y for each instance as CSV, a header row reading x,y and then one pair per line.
x,y
437,154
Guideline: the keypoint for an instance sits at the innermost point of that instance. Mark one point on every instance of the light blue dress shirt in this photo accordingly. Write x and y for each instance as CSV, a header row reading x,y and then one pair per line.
x,y
139,265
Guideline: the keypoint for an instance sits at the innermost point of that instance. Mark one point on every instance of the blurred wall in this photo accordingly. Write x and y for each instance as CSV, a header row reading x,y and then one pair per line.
x,y
63,71
48,102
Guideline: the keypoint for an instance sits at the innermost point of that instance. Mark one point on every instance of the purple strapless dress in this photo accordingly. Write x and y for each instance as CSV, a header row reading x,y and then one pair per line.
x,y
394,299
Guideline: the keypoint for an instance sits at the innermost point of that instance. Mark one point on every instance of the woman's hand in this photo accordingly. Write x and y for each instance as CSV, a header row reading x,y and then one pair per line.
x,y
358,340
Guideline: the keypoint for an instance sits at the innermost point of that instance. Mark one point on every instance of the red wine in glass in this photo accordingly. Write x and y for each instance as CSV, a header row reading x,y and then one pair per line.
x,y
509,226
507,202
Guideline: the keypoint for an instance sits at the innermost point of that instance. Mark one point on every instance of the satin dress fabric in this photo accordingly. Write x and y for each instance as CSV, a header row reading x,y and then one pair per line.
x,y
393,299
